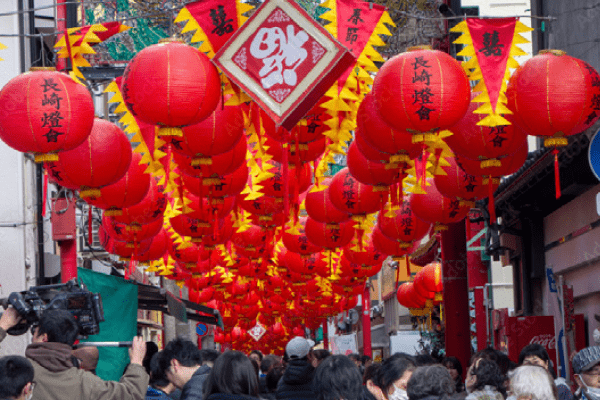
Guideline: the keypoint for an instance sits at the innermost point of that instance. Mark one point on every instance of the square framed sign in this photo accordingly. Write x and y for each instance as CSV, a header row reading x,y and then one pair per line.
x,y
284,60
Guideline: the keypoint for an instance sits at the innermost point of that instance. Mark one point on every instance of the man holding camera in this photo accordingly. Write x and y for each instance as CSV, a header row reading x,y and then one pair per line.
x,y
55,375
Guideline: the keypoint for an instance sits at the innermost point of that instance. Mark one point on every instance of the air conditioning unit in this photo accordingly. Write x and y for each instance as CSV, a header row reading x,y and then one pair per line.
x,y
82,232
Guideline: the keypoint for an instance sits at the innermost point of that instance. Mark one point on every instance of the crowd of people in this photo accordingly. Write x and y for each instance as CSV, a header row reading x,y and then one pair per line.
x,y
52,369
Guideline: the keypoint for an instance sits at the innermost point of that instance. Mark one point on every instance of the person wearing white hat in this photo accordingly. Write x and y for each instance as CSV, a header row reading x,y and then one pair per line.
x,y
297,380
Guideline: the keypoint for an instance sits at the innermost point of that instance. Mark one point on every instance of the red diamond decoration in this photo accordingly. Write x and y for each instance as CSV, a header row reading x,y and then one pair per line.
x,y
284,60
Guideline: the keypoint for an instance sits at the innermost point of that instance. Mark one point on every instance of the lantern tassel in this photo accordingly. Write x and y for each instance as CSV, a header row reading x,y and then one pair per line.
x,y
556,173
397,276
491,205
286,180
45,195
424,167
90,233
408,272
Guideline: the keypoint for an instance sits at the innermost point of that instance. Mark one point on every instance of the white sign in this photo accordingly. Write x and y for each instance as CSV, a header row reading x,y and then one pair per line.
x,y
344,344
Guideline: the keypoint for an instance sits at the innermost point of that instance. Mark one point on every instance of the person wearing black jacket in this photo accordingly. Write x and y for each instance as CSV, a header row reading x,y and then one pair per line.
x,y
297,380
182,363
232,378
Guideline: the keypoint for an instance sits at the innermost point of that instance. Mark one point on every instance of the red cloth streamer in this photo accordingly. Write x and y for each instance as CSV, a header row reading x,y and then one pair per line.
x,y
394,194
68,43
90,233
45,191
492,204
286,179
397,275
424,167
408,273
556,173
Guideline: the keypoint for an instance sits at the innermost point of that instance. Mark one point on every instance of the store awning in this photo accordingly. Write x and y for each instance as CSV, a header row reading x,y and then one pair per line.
x,y
159,299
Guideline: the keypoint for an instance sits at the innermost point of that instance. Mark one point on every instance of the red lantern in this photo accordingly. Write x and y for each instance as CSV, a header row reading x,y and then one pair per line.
x,y
363,255
371,172
353,197
216,134
148,210
312,265
250,242
297,152
403,225
220,164
554,95
320,208
376,132
434,208
160,94
45,112
457,183
408,297
123,249
130,233
300,243
309,129
264,206
389,246
430,277
329,236
57,175
127,191
421,90
218,186
490,145
512,165
158,247
102,159
189,255
298,180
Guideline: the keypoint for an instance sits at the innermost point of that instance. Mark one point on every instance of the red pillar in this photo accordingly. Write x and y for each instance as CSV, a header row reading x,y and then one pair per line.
x,y
456,292
478,278
68,259
366,321
325,335
61,26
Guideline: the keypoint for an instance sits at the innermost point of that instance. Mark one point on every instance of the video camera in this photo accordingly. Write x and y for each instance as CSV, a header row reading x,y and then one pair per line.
x,y
85,306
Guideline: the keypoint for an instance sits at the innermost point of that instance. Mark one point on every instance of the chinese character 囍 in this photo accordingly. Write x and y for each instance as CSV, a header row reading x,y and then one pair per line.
x,y
490,44
281,53
221,23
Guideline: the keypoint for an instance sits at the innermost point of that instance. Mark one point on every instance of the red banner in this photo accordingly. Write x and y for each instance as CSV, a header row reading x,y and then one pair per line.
x,y
356,21
217,18
492,40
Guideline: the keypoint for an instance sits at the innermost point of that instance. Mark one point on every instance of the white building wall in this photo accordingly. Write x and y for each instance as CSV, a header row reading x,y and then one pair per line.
x,y
17,187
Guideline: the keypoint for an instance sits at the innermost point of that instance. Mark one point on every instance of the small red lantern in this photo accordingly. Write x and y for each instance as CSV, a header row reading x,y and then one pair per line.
x,y
264,206
121,248
160,94
403,225
220,164
217,186
375,132
430,277
389,246
130,233
433,207
353,197
102,159
329,236
371,172
148,210
457,183
45,112
158,247
421,90
297,152
363,255
216,134
320,208
300,243
250,242
126,192
298,180
57,175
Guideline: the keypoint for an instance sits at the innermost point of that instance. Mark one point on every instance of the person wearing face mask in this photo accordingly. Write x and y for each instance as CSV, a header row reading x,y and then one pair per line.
x,y
392,378
485,381
16,378
586,367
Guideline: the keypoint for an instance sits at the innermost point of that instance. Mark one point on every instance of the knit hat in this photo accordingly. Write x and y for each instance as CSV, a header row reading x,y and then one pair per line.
x,y
298,347
586,359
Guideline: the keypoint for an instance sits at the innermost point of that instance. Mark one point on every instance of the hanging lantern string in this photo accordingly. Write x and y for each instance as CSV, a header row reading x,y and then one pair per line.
x,y
90,231
556,173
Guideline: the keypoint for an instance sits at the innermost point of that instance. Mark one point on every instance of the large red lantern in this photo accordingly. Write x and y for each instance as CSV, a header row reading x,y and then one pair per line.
x,y
554,96
250,242
403,225
57,175
389,246
421,90
363,254
329,236
319,206
375,132
433,207
45,112
127,191
158,247
160,94
408,297
215,135
298,180
102,159
130,233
